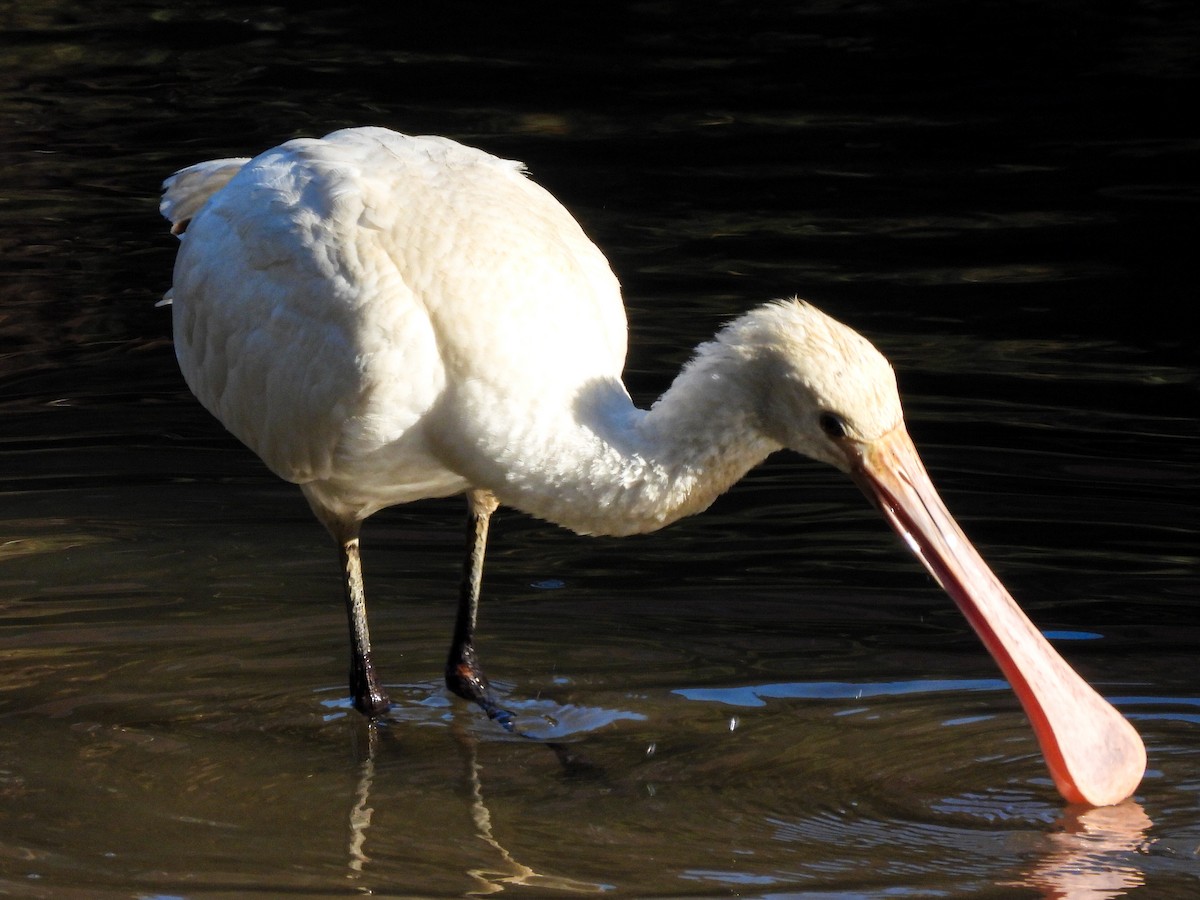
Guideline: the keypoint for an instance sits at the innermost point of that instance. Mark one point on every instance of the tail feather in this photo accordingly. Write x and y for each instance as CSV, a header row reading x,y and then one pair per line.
x,y
185,192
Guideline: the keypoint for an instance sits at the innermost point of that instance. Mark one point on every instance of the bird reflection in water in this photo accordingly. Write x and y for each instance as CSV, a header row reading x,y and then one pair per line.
x,y
508,871
1093,855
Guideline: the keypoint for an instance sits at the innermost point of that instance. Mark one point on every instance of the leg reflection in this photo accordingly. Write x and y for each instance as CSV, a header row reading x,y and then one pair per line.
x,y
509,872
366,745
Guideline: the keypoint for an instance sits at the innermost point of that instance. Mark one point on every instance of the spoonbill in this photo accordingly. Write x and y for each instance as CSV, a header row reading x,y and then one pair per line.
x,y
384,318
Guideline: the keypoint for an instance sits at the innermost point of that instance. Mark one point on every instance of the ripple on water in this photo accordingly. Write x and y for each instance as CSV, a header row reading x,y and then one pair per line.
x,y
428,704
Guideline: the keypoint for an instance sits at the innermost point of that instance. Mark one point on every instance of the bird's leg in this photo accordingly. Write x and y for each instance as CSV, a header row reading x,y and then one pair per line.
x,y
463,673
369,695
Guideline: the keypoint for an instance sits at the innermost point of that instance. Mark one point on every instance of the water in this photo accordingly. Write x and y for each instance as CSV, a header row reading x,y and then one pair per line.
x,y
769,700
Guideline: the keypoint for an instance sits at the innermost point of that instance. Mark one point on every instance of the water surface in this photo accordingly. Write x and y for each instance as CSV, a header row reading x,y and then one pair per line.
x,y
769,700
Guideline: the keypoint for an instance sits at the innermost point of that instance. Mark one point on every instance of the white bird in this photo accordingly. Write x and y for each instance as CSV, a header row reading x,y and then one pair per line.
x,y
385,318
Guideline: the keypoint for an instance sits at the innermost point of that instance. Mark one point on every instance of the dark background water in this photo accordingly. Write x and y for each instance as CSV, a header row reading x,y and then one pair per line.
x,y
771,699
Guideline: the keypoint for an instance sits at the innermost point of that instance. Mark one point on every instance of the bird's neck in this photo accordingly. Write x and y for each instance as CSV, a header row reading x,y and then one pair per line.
x,y
612,468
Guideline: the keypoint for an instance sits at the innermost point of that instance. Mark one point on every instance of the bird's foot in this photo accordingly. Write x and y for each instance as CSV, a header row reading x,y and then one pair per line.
x,y
466,679
370,698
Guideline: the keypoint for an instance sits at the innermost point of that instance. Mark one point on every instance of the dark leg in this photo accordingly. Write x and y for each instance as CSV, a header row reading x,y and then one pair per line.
x,y
463,674
369,695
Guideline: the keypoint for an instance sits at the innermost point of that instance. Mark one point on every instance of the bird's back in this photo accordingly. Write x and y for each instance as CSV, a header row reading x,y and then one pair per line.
x,y
350,306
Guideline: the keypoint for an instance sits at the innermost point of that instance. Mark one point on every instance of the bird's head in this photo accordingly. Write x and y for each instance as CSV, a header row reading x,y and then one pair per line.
x,y
816,386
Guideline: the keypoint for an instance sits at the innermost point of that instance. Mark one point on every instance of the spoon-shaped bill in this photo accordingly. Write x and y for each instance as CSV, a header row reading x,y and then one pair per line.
x,y
1094,755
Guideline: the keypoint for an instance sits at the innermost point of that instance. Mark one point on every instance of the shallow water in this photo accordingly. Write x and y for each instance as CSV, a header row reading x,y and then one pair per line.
x,y
769,700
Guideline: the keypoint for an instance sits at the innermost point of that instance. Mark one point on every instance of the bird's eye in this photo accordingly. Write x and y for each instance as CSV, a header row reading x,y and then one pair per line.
x,y
832,425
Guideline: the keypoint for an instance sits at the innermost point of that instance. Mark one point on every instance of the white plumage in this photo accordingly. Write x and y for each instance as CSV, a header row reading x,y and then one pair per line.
x,y
385,318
